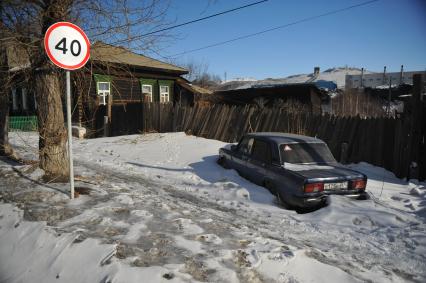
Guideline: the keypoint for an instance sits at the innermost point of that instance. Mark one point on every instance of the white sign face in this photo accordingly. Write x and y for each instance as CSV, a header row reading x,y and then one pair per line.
x,y
67,46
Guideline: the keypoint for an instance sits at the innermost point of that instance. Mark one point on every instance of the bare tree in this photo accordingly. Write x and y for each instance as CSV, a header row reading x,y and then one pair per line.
x,y
118,22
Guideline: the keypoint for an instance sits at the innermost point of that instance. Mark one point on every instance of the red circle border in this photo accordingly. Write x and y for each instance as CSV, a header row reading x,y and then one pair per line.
x,y
49,54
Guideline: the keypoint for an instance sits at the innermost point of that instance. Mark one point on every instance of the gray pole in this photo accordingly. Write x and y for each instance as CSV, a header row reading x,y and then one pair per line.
x,y
70,134
384,75
390,96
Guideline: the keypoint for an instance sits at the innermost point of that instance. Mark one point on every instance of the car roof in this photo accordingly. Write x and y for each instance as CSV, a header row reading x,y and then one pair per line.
x,y
280,138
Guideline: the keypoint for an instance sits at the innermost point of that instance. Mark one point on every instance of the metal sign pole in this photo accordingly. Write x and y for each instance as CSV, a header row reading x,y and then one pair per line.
x,y
70,134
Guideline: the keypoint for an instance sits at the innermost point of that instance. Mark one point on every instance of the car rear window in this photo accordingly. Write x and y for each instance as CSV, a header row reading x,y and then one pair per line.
x,y
306,153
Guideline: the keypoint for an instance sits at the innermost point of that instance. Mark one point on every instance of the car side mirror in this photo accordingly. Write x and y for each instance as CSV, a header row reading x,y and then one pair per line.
x,y
233,147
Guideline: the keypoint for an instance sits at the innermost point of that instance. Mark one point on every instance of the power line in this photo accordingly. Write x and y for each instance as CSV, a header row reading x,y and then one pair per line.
x,y
275,28
207,17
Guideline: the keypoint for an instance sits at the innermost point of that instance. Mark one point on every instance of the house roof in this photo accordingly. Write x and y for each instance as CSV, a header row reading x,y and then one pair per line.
x,y
107,53
193,88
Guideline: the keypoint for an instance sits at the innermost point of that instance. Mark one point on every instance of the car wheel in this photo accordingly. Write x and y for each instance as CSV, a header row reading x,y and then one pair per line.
x,y
364,196
270,187
282,201
222,162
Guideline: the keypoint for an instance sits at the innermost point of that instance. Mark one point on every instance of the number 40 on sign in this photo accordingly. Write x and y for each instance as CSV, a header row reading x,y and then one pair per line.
x,y
67,46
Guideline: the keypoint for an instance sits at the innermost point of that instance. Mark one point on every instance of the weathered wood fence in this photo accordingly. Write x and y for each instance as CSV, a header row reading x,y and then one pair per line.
x,y
379,141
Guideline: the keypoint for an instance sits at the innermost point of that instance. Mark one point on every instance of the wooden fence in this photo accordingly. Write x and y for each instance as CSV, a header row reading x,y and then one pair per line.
x,y
379,141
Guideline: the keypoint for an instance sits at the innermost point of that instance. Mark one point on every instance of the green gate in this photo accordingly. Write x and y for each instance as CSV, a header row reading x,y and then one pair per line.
x,y
23,123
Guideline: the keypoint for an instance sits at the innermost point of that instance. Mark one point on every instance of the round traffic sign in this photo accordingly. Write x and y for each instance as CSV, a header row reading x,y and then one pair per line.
x,y
67,45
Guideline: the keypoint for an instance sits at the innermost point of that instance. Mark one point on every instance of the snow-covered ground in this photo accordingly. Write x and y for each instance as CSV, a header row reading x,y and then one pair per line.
x,y
160,209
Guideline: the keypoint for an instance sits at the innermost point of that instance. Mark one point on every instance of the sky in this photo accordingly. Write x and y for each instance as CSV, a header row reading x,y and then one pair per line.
x,y
384,33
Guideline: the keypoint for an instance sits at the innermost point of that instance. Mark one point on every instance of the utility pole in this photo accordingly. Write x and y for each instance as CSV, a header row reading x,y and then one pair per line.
x,y
362,77
390,97
384,76
401,75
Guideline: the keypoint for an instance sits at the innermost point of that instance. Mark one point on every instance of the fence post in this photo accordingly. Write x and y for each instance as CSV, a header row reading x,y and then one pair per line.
x,y
106,128
415,124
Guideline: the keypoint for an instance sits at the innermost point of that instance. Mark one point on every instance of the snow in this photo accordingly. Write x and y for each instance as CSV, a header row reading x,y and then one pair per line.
x,y
160,208
305,167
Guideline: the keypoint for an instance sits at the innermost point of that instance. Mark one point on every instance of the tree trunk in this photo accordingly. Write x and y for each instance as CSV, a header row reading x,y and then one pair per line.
x,y
53,135
5,148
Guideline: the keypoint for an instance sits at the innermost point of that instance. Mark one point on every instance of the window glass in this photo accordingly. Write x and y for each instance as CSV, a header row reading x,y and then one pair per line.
x,y
104,89
164,94
103,86
306,153
246,145
147,92
262,151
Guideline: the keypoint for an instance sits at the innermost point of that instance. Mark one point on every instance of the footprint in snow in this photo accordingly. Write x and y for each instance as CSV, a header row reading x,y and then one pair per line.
x,y
209,238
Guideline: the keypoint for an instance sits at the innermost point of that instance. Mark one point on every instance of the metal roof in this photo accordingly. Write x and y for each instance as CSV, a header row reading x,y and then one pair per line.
x,y
285,138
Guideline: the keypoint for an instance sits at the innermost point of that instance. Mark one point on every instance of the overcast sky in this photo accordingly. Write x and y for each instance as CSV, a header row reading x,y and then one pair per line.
x,y
387,32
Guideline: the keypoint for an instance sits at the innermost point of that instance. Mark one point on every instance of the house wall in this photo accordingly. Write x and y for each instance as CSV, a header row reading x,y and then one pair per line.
x,y
126,88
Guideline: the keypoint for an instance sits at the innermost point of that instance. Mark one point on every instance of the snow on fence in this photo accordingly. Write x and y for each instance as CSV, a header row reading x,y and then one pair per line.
x,y
383,142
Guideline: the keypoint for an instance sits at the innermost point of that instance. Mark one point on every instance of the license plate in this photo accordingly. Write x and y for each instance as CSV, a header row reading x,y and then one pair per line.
x,y
335,186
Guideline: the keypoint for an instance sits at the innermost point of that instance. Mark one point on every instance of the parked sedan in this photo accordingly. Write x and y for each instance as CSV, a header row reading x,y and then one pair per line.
x,y
299,170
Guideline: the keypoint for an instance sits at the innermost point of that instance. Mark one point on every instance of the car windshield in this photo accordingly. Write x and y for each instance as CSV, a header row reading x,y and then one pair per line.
x,y
306,153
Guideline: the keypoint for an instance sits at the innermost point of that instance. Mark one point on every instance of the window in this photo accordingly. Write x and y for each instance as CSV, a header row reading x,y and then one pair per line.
x,y
104,89
24,99
246,145
14,99
306,153
262,151
147,93
164,94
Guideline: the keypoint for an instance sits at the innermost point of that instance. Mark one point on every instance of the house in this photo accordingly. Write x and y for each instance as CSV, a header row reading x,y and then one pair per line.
x,y
116,77
307,94
113,77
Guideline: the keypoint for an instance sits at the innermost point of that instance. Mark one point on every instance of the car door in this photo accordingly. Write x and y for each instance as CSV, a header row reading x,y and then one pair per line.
x,y
259,161
241,155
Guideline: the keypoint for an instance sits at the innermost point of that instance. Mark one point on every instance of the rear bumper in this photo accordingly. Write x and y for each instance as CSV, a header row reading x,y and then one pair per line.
x,y
314,200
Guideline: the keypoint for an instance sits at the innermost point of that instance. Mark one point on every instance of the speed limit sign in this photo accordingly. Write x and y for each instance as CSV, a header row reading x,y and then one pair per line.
x,y
67,46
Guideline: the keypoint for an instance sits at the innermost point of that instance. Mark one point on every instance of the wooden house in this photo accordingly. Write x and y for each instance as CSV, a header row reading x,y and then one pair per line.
x,y
116,77
113,77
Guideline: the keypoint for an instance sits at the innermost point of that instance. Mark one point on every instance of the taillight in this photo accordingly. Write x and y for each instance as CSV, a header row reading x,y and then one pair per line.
x,y
314,188
359,184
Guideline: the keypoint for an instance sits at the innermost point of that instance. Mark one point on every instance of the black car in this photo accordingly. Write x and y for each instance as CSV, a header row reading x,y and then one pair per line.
x,y
299,170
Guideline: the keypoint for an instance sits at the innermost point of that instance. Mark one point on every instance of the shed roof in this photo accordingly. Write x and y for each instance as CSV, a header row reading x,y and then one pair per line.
x,y
107,53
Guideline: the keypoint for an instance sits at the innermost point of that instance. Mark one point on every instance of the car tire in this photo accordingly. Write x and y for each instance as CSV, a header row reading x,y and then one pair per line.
x,y
282,202
364,196
222,162
269,186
